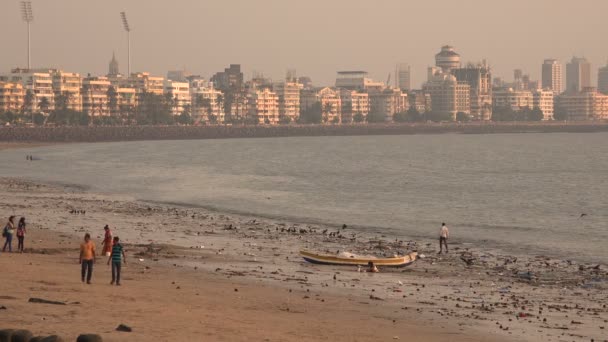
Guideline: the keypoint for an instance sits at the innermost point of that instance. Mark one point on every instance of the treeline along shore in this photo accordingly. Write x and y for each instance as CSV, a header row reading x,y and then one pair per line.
x,y
133,133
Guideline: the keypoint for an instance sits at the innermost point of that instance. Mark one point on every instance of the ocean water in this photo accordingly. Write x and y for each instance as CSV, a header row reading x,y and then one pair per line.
x,y
518,192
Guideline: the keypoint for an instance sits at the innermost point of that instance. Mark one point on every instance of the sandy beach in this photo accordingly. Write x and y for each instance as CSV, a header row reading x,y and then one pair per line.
x,y
193,274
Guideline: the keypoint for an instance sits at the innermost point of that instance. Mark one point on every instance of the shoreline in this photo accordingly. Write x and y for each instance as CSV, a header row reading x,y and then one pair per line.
x,y
139,133
474,291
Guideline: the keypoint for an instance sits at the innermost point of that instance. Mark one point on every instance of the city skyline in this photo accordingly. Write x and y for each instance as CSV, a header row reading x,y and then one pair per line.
x,y
264,37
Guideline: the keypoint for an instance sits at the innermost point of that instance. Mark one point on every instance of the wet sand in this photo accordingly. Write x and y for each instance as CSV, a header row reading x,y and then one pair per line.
x,y
202,275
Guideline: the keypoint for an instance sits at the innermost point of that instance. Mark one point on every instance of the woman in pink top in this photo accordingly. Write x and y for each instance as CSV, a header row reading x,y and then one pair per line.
x,y
21,234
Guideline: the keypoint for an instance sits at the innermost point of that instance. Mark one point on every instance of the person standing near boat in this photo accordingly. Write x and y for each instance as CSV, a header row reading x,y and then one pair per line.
x,y
107,241
444,234
21,234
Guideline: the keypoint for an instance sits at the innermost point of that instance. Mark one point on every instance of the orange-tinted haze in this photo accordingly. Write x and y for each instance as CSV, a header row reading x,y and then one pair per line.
x,y
316,37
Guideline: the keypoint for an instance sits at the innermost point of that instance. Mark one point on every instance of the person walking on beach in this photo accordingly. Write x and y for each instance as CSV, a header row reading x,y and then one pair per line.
x,y
87,258
7,234
107,241
118,253
21,234
444,234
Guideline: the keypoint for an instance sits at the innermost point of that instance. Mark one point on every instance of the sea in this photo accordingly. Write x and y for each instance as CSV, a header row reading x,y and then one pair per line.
x,y
539,194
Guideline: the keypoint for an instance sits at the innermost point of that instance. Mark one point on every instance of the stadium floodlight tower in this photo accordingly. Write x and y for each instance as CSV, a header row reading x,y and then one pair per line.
x,y
28,17
125,24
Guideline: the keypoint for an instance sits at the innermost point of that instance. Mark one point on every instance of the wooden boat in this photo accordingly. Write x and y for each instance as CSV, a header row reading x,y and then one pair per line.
x,y
354,260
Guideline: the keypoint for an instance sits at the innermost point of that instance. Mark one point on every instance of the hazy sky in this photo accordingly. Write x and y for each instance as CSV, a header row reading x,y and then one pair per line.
x,y
316,37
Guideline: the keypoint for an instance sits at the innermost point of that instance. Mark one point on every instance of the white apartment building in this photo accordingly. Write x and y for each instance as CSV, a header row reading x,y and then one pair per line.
x,y
11,97
586,105
289,99
515,99
331,104
144,82
388,102
264,107
544,100
68,85
95,96
179,92
127,100
207,102
448,96
354,103
38,82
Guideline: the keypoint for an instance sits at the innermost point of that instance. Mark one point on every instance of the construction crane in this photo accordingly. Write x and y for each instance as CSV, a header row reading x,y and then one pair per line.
x,y
388,80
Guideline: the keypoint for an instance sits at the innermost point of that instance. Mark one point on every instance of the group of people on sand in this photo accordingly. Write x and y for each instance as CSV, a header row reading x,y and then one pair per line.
x,y
112,248
12,229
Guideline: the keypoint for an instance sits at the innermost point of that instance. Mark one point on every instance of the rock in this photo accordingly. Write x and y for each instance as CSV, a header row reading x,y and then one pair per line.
x,y
45,301
52,338
124,328
89,338
21,336
6,334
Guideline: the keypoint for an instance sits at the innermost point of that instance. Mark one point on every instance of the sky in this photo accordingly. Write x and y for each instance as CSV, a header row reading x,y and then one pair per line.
x,y
315,37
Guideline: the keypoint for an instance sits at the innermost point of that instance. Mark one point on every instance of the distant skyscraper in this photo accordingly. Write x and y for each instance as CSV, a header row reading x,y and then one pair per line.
x,y
231,79
578,74
552,78
479,79
402,76
602,80
113,70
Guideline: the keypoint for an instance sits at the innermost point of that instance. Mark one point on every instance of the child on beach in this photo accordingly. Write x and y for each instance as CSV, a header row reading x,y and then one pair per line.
x,y
107,241
21,234
7,234
118,253
87,258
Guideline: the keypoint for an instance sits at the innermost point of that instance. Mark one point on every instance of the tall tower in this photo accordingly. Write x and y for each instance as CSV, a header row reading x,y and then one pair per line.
x,y
113,70
578,74
602,80
403,76
552,78
447,59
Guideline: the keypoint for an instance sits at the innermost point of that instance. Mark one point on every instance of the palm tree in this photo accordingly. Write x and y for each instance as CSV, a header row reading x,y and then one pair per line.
x,y
44,104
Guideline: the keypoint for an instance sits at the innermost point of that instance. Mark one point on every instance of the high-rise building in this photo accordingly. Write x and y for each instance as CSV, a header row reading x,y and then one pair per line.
x,y
207,102
403,77
113,69
231,79
479,78
578,74
356,80
552,76
544,100
602,80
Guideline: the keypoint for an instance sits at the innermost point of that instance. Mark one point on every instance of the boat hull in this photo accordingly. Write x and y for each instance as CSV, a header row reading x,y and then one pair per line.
x,y
321,259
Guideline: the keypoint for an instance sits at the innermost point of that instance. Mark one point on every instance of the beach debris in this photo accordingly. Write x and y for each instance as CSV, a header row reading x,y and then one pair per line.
x,y
124,328
142,260
89,338
2,307
45,301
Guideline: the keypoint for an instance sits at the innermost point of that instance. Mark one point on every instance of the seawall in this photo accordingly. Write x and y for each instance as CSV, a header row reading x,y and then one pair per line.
x,y
132,133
